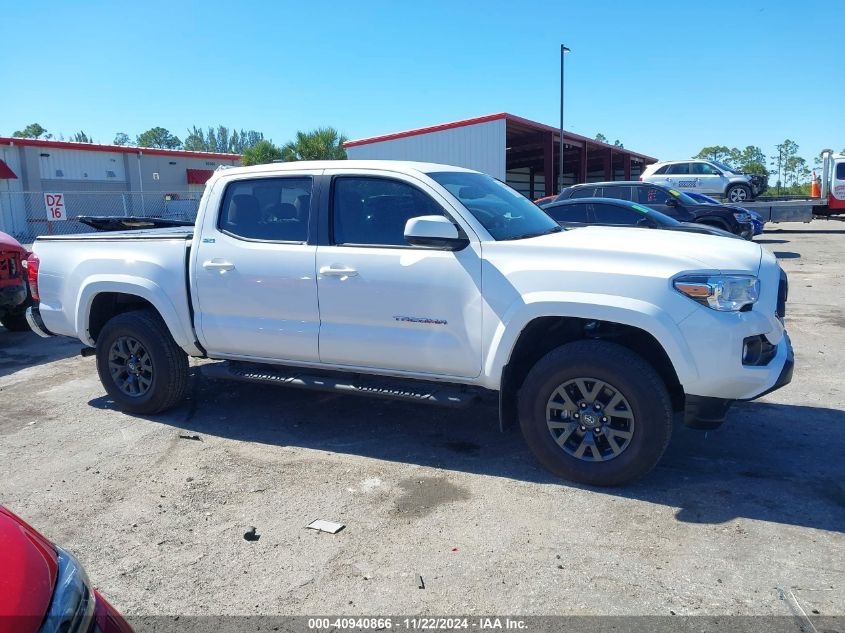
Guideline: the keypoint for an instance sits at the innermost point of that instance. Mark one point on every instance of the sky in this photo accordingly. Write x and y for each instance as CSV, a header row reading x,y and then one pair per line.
x,y
666,78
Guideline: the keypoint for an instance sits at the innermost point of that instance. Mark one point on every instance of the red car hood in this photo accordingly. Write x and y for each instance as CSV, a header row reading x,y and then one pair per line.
x,y
28,568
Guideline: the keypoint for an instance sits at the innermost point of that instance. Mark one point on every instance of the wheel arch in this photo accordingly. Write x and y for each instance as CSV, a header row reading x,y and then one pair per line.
x,y
101,299
653,337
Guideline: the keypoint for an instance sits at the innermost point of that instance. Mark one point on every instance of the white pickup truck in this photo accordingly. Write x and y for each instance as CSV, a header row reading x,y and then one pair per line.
x,y
430,283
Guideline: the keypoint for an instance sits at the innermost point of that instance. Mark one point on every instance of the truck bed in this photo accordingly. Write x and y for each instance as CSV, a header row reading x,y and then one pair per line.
x,y
150,264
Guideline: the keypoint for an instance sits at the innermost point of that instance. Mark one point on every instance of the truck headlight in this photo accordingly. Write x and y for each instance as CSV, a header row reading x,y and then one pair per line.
x,y
72,606
726,293
742,216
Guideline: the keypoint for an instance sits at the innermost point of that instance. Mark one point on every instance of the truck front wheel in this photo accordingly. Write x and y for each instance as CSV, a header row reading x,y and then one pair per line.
x,y
596,413
140,365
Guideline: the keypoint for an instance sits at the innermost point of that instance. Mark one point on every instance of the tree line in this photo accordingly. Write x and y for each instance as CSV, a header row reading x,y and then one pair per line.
x,y
319,144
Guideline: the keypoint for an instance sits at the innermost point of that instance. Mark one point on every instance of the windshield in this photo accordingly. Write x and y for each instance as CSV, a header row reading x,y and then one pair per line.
x,y
504,212
680,195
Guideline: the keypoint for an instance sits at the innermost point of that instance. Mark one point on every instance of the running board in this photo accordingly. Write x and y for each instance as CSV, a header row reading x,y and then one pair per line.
x,y
427,392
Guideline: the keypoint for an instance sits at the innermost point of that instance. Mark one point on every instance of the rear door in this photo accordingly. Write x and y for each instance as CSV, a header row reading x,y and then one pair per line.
x,y
385,304
254,277
679,177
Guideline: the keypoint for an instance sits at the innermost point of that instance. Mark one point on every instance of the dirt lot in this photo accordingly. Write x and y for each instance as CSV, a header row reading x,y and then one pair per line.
x,y
727,519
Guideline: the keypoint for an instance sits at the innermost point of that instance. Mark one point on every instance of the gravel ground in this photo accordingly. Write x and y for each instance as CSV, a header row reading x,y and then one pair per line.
x,y
726,520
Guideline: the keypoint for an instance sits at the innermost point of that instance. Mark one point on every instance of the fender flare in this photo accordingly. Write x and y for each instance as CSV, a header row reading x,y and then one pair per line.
x,y
139,287
623,310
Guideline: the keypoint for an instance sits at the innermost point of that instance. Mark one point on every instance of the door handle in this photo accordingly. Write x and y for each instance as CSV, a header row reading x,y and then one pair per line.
x,y
338,271
218,264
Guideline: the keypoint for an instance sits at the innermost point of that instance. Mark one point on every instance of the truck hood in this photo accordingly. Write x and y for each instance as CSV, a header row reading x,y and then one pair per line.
x,y
29,567
661,253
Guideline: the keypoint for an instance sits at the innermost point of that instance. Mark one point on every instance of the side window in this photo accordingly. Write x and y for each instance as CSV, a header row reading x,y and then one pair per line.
x,y
619,192
678,169
662,170
703,169
651,195
613,214
271,209
374,211
840,171
568,212
583,192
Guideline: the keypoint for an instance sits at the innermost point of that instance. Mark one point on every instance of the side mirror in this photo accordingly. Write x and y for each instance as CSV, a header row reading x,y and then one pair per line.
x,y
434,231
671,202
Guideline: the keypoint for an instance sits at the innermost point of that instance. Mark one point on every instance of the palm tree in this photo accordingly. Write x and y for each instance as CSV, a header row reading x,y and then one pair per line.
x,y
324,143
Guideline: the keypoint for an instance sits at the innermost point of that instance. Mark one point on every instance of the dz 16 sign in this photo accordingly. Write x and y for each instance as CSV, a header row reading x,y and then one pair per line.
x,y
55,204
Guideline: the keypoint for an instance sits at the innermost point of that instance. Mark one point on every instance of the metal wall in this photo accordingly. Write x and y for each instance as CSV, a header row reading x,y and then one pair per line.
x,y
480,147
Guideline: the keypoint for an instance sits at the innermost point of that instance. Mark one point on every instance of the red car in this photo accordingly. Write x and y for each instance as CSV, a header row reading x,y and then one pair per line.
x,y
14,298
43,589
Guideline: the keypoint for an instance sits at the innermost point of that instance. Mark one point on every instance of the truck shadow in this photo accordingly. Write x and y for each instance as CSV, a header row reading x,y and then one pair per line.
x,y
769,462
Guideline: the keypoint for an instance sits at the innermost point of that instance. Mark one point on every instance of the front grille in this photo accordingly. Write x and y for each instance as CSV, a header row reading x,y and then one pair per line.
x,y
783,293
9,266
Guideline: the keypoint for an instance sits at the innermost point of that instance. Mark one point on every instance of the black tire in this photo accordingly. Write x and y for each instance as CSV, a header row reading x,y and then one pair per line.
x,y
15,322
632,377
739,193
168,380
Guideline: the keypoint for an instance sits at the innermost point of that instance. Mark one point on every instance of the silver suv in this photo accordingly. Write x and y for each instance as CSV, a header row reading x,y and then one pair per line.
x,y
707,177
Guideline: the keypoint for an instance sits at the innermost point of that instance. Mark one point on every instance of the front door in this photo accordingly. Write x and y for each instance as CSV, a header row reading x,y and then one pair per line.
x,y
708,179
255,286
385,304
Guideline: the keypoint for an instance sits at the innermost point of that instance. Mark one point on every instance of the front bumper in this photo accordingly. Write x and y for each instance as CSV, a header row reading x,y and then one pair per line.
x,y
33,317
707,413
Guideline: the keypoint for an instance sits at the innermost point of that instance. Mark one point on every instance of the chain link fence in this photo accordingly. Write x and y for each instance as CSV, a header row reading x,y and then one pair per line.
x,y
29,214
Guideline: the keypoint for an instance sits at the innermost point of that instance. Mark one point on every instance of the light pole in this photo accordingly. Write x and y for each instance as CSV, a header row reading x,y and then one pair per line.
x,y
563,51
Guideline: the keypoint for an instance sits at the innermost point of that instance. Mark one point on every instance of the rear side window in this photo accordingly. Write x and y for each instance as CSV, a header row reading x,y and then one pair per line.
x,y
662,170
373,211
618,192
267,209
651,195
583,192
568,212
678,169
613,214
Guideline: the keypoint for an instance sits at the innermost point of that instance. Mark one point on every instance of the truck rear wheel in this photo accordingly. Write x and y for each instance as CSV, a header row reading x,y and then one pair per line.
x,y
596,413
140,365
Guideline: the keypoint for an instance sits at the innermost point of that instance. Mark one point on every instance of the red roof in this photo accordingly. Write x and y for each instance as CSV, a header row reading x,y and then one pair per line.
x,y
123,149
6,172
199,176
541,127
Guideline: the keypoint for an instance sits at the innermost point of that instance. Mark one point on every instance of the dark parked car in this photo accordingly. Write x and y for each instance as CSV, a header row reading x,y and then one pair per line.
x,y
44,589
756,219
614,212
668,201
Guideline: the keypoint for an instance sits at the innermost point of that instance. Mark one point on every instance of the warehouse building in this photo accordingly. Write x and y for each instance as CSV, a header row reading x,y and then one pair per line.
x,y
96,180
523,153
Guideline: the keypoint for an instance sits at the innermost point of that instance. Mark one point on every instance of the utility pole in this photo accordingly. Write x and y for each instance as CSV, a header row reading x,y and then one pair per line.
x,y
563,51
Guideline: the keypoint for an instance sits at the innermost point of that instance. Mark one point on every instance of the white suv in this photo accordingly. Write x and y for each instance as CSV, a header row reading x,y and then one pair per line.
x,y
707,177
